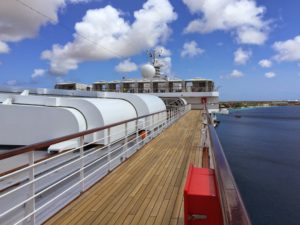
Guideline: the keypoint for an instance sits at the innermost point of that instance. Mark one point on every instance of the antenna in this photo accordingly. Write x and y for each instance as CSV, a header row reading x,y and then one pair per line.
x,y
154,56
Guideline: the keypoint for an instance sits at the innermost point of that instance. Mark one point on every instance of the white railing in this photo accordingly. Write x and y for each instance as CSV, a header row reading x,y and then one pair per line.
x,y
34,192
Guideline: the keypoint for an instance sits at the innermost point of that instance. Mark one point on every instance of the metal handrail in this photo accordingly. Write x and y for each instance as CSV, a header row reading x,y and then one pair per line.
x,y
83,157
233,208
57,169
47,143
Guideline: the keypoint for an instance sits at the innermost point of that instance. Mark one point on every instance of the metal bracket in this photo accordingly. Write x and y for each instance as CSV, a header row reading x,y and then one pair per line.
x,y
197,217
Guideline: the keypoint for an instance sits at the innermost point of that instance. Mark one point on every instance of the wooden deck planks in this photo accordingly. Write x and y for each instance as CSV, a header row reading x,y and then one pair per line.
x,y
148,187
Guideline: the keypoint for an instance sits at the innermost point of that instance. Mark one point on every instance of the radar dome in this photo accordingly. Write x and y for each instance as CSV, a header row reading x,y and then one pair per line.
x,y
148,71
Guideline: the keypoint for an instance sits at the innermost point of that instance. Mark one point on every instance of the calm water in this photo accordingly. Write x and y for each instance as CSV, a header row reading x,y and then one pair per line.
x,y
263,150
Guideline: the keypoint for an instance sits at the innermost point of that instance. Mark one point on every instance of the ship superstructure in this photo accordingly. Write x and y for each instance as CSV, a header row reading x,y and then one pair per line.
x,y
194,91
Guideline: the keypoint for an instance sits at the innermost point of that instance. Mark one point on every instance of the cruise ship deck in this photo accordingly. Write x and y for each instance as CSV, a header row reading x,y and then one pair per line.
x,y
148,187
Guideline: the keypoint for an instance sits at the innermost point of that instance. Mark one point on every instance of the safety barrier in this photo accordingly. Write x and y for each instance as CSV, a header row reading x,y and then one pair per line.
x,y
34,191
232,205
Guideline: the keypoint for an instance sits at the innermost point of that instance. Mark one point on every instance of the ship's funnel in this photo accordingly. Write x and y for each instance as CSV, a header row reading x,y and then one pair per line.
x,y
148,71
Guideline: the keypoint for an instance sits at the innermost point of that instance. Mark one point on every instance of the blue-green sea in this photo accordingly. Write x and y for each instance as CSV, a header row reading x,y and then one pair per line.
x,y
262,146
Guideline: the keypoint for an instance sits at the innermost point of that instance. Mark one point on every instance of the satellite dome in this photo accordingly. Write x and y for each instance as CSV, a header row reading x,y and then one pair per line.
x,y
148,71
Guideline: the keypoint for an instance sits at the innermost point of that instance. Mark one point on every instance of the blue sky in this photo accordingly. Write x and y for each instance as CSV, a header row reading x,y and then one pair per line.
x,y
251,49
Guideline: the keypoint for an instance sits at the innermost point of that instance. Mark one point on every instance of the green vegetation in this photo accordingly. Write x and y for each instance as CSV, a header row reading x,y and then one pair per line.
x,y
246,104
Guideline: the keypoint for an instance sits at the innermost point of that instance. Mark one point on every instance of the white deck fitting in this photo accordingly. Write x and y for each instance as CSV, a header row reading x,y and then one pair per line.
x,y
184,101
29,100
144,104
97,112
28,124
101,112
194,98
154,104
106,109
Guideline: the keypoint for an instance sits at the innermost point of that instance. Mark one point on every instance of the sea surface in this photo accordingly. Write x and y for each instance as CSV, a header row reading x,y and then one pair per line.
x,y
262,146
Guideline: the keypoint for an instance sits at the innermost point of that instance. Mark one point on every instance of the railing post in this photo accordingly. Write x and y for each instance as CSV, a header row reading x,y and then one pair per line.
x,y
174,114
152,126
81,142
137,133
126,140
148,126
30,206
168,117
109,149
158,123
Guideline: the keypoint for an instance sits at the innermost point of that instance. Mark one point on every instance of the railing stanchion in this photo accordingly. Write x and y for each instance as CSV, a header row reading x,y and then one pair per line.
x,y
81,142
148,126
168,117
137,133
159,123
126,141
152,126
109,149
30,205
173,115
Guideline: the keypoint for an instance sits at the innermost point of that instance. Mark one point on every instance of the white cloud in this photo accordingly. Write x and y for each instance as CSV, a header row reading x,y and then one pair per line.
x,y
59,80
110,36
126,66
288,50
241,56
166,65
265,63
270,75
236,74
38,73
163,51
80,1
247,35
11,82
191,49
19,22
4,48
243,17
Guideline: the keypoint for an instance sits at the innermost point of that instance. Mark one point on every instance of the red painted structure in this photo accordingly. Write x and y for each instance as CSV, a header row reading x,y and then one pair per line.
x,y
203,100
201,198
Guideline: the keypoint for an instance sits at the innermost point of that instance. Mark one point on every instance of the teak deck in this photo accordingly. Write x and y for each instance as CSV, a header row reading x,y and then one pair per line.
x,y
148,187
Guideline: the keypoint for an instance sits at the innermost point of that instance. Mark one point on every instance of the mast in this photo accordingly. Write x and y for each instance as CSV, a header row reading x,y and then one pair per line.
x,y
154,60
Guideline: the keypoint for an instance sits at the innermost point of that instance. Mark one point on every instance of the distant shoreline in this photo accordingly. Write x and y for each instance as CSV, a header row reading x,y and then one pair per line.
x,y
256,104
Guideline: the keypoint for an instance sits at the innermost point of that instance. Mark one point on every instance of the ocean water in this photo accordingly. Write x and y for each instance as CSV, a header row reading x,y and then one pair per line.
x,y
263,150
